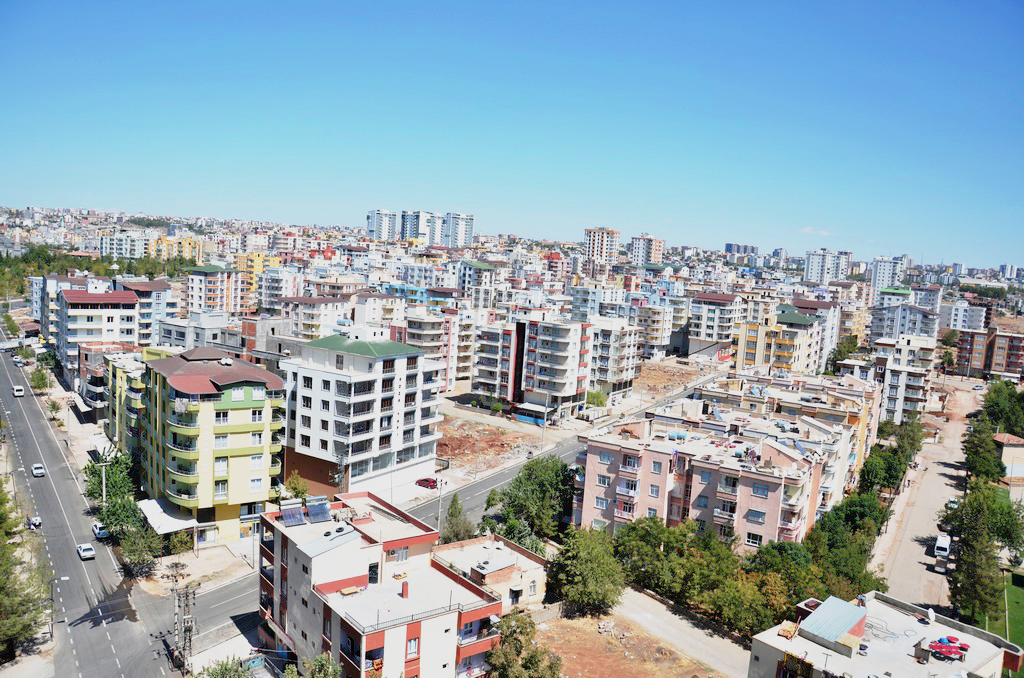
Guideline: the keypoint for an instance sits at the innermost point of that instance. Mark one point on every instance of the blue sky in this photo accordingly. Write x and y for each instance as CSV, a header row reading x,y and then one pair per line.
x,y
877,127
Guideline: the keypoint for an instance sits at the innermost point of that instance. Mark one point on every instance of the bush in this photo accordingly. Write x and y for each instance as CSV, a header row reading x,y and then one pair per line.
x,y
180,542
496,407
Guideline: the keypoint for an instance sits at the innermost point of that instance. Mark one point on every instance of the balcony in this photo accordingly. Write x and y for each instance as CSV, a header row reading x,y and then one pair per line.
x,y
625,491
181,499
724,517
629,471
731,490
183,473
623,515
183,426
188,451
275,467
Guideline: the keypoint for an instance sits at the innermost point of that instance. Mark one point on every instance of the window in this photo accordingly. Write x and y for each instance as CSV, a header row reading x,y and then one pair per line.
x,y
325,385
606,457
759,490
303,441
220,466
323,445
220,489
325,405
255,485
412,648
705,477
656,468
258,393
533,588
307,402
756,516
600,502
700,502
599,524
307,382
304,602
673,510
325,425
655,490
305,421
220,442
255,439
753,539
604,481
701,524
652,512
339,362
402,554
238,393
220,418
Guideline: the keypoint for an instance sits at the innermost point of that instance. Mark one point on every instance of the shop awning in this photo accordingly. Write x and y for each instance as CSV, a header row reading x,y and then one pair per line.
x,y
164,517
532,408
517,589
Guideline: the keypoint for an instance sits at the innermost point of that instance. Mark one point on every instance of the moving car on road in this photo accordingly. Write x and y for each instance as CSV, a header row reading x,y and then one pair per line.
x,y
18,391
38,471
99,530
86,551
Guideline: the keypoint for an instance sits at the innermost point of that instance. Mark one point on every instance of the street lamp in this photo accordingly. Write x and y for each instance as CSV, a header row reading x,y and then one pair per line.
x,y
52,603
440,493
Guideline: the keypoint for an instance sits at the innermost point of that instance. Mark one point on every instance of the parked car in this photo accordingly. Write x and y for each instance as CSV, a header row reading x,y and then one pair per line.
x,y
33,523
18,391
99,530
38,471
979,387
86,551
952,503
429,483
18,362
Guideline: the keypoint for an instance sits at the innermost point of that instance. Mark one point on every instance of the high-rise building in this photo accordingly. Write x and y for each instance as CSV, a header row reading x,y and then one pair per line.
x,y
737,248
382,225
86,316
645,250
601,245
156,302
427,227
213,288
1007,271
886,273
457,230
822,266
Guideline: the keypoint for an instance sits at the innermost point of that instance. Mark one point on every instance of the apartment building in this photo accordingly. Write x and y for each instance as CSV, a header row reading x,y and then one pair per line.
x,y
539,363
213,288
926,296
316,317
44,291
1005,354
382,225
614,357
791,344
714,319
601,245
972,350
644,249
826,638
823,266
885,273
363,413
961,315
211,432
437,336
126,244
457,230
90,399
355,579
424,227
903,367
740,249
276,282
84,316
123,388
165,248
501,567
890,322
250,266
588,301
157,301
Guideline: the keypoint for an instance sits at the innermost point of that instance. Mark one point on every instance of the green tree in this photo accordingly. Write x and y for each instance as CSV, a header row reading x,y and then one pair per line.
x,y
982,455
793,563
121,515
456,525
749,602
297,485
886,429
1003,406
976,584
321,666
597,398
585,574
947,361
650,553
22,592
180,542
950,339
518,655
539,495
118,472
39,379
842,351
54,407
25,353
514,530
226,668
138,549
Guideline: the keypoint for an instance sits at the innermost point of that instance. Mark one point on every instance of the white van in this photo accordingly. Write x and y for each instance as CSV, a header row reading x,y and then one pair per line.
x,y
18,391
942,544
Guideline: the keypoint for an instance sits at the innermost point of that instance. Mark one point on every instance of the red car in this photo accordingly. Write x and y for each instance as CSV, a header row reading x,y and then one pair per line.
x,y
429,483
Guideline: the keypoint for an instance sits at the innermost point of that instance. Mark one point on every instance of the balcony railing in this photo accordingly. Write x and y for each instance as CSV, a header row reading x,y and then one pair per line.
x,y
484,634
728,489
625,491
180,447
624,514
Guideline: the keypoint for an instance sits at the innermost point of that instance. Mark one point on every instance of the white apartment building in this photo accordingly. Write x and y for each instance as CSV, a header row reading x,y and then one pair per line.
x,y
885,273
655,324
714,319
213,288
890,322
426,227
960,315
368,406
436,335
902,366
588,301
822,266
84,316
382,225
644,249
276,282
316,317
613,357
601,245
126,244
457,230
927,296
255,242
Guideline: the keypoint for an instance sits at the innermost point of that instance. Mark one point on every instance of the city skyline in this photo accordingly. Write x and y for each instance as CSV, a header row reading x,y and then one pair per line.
x,y
787,130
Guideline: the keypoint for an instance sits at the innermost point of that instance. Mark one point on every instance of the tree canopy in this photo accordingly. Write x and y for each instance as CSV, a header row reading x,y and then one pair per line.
x,y
982,455
22,590
456,525
585,574
539,495
517,655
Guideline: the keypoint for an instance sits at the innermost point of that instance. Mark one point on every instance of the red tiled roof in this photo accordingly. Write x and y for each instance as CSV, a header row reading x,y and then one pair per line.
x,y
1007,439
314,300
812,303
145,285
115,297
714,297
200,371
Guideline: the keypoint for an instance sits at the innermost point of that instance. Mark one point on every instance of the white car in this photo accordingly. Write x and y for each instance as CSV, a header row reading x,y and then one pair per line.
x,y
18,391
99,530
38,471
86,551
979,387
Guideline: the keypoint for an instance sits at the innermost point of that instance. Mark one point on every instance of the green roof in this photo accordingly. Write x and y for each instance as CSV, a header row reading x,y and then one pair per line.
x,y
791,318
209,269
370,349
786,308
895,291
483,266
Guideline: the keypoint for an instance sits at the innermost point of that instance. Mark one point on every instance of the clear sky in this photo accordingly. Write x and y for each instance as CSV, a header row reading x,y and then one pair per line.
x,y
877,127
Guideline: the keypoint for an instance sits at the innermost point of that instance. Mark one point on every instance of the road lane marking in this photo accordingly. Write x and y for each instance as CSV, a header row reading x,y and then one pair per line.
x,y
240,595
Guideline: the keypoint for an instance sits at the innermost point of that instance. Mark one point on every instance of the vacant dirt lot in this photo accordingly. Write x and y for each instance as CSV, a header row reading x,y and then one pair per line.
x,y
474,447
661,377
620,650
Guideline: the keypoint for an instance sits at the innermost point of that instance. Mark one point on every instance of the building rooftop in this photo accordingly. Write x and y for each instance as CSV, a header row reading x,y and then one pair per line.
x,y
370,349
316,300
485,555
794,318
145,285
201,371
113,297
211,269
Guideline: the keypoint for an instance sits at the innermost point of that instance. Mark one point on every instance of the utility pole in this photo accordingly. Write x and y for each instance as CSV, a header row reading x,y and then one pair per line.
x,y
440,493
184,625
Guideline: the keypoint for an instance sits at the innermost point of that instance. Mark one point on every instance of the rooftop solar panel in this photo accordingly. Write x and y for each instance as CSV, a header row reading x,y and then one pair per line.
x,y
292,516
319,513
